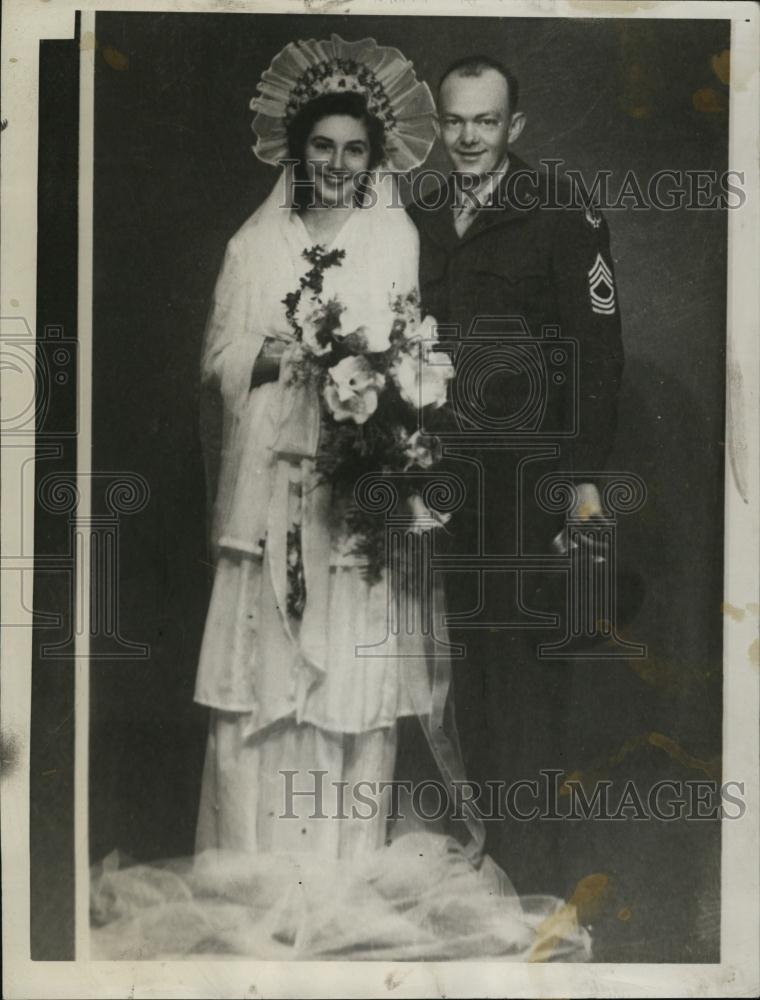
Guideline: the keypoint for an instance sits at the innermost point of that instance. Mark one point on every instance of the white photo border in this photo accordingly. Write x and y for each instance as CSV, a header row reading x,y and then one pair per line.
x,y
737,974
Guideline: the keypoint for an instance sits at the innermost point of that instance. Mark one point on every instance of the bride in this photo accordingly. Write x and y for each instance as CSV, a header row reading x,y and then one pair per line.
x,y
285,864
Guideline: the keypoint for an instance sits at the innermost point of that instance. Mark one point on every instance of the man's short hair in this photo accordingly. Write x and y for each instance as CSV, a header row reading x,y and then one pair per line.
x,y
475,66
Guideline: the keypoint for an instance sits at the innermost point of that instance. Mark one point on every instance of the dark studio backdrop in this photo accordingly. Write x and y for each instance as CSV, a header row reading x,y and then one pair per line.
x,y
175,177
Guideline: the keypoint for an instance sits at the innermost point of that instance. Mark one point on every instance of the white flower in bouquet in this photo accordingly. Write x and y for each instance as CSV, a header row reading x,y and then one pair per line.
x,y
421,380
310,315
424,519
361,314
371,323
422,450
353,389
423,330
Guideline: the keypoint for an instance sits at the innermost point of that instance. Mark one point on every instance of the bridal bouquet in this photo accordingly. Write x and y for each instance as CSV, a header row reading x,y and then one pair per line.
x,y
374,374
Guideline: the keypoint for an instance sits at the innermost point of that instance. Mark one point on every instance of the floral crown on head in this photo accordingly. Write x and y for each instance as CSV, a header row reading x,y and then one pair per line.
x,y
305,70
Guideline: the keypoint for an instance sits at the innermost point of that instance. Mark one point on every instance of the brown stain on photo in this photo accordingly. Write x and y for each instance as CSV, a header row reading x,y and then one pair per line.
x,y
115,59
732,611
754,653
666,676
661,674
710,768
737,437
721,65
590,897
393,980
601,771
87,42
709,101
640,74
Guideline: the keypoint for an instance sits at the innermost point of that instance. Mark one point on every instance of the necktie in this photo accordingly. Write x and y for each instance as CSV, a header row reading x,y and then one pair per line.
x,y
473,201
463,216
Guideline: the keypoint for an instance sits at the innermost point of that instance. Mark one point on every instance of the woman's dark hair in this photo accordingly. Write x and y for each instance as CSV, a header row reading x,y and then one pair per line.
x,y
352,104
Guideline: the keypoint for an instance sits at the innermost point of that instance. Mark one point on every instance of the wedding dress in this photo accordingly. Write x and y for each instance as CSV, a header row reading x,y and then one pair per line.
x,y
293,696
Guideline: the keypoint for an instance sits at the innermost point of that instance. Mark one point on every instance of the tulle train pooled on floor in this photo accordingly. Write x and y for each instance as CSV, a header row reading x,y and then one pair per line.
x,y
419,898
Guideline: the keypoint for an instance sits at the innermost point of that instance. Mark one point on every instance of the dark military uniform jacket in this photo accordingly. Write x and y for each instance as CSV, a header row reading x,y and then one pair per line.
x,y
541,275
549,266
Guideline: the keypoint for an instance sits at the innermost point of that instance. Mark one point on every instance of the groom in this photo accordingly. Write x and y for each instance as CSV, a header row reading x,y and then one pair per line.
x,y
494,242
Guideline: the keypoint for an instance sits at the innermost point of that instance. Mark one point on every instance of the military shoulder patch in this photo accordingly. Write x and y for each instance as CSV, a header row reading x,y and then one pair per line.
x,y
593,217
601,287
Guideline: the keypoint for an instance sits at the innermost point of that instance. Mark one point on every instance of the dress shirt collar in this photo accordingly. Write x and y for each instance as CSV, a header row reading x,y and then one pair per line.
x,y
483,194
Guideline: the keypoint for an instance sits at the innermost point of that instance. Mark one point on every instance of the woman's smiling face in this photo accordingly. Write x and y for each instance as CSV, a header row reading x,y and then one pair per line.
x,y
337,149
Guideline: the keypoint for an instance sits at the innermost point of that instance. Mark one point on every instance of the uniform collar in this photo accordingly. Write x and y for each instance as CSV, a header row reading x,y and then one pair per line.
x,y
438,223
483,194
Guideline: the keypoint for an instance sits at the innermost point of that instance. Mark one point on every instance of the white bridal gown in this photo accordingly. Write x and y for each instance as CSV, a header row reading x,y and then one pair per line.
x,y
289,692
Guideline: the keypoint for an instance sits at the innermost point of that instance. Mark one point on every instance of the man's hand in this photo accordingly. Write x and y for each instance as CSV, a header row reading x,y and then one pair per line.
x,y
587,506
587,502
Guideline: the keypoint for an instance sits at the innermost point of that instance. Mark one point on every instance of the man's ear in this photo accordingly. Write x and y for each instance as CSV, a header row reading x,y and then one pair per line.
x,y
516,126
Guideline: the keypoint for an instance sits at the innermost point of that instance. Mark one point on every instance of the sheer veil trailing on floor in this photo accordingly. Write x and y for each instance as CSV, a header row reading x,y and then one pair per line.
x,y
280,694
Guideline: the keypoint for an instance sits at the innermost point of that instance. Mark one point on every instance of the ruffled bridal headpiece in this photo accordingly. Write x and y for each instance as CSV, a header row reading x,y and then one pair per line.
x,y
305,70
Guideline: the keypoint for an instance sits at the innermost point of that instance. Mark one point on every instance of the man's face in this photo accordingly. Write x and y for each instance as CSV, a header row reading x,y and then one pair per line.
x,y
476,126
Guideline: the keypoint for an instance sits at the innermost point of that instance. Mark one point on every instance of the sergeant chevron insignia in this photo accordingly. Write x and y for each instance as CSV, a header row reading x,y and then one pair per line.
x,y
601,287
